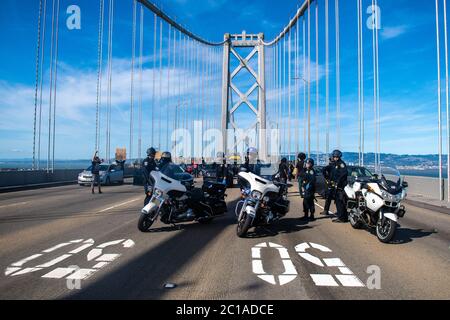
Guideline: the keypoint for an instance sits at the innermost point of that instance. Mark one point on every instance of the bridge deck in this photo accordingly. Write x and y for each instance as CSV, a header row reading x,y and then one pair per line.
x,y
206,261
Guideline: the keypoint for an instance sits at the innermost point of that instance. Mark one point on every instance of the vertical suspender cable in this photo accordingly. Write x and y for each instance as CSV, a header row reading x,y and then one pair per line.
x,y
41,84
51,87
297,87
338,77
155,27
304,84
362,84
447,99
317,84
160,82
327,78
359,80
38,44
378,84
438,46
141,52
309,78
289,96
168,85
99,73
133,54
110,63
55,85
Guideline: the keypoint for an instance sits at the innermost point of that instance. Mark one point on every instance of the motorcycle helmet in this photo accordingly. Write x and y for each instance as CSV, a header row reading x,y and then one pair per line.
x,y
310,161
336,154
301,156
151,152
252,150
166,157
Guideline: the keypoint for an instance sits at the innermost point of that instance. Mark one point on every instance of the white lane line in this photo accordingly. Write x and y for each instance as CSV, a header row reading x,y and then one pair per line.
x,y
324,280
323,208
119,205
14,204
349,280
23,261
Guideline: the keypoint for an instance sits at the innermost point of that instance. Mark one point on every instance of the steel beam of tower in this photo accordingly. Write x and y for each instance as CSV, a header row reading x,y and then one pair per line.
x,y
232,42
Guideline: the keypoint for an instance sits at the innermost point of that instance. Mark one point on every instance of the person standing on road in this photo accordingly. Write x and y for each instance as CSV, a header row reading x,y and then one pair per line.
x,y
95,170
329,193
339,175
309,190
300,166
283,170
148,165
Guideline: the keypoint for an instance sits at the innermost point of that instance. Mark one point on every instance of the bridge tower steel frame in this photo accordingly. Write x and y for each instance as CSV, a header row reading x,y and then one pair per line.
x,y
255,41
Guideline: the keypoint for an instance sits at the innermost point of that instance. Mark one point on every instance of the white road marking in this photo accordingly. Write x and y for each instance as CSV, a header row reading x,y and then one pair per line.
x,y
311,258
26,270
345,270
59,273
81,274
23,261
14,204
128,244
324,280
100,265
56,247
108,257
320,247
334,262
54,261
323,208
81,248
110,243
349,280
10,270
119,205
289,274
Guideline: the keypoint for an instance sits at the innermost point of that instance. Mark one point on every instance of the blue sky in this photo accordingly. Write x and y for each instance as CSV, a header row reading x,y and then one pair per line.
x,y
408,71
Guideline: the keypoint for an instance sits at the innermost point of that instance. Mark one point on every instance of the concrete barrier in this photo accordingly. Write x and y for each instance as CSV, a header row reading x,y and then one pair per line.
x,y
425,187
30,178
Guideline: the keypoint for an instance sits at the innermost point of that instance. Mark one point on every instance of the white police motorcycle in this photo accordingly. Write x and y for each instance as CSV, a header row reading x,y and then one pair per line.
x,y
375,202
264,202
175,199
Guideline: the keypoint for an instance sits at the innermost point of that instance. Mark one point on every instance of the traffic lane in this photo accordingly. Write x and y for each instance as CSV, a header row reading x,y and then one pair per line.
x,y
55,217
160,254
415,265
44,207
116,224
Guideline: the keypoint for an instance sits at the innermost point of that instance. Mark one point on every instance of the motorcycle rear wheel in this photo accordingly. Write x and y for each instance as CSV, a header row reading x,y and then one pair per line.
x,y
386,231
144,223
243,225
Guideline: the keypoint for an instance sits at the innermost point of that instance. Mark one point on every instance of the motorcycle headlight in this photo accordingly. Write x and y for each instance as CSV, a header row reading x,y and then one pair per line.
x,y
158,193
256,195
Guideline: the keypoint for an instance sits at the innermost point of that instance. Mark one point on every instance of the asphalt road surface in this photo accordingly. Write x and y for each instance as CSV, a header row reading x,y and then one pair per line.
x,y
65,243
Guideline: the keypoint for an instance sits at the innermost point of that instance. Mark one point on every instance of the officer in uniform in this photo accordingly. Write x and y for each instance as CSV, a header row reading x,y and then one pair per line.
x,y
339,175
148,165
309,190
300,171
326,171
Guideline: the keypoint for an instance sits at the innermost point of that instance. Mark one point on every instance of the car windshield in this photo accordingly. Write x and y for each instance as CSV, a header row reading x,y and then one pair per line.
x,y
104,167
173,171
359,172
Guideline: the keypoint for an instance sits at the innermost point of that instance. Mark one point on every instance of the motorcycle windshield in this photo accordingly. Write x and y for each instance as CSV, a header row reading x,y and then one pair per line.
x,y
390,179
175,172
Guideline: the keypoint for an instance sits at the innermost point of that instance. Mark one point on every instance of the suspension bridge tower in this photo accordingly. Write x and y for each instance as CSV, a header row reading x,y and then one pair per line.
x,y
233,43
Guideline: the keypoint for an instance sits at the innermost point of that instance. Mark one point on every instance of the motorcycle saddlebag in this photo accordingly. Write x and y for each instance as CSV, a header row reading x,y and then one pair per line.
x,y
213,188
281,207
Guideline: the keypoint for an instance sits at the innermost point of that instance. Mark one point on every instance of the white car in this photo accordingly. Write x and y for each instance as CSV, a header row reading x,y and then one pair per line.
x,y
109,174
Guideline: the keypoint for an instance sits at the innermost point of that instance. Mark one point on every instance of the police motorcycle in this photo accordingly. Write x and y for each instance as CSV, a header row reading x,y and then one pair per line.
x,y
263,201
375,202
176,200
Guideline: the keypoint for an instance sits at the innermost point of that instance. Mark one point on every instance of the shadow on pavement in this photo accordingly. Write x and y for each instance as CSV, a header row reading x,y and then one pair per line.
x,y
406,235
284,226
143,276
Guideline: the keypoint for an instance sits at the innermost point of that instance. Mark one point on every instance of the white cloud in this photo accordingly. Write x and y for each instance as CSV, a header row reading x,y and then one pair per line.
x,y
393,32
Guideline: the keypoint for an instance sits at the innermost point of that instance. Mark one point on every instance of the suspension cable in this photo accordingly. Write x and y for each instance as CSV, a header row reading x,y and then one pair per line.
x,y
327,77
133,54
51,87
37,82
309,81
317,84
141,52
99,73
441,195
447,98
338,77
154,78
55,85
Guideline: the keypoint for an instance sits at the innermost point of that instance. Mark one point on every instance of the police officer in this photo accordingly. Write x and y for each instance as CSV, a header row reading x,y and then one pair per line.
x,y
251,161
339,178
309,190
283,170
300,171
222,170
166,158
148,165
329,193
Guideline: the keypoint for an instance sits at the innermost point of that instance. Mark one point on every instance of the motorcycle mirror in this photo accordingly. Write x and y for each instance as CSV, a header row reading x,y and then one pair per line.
x,y
405,184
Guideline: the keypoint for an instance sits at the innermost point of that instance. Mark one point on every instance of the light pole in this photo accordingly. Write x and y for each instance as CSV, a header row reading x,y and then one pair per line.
x,y
308,83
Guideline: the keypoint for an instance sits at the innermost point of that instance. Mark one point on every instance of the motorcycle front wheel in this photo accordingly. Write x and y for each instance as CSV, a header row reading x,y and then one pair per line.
x,y
243,225
386,230
354,221
145,222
